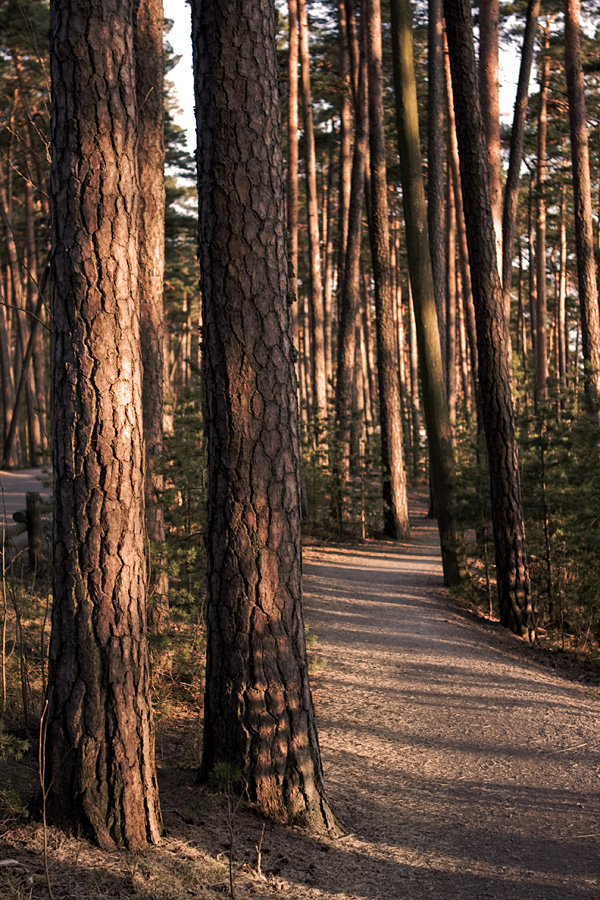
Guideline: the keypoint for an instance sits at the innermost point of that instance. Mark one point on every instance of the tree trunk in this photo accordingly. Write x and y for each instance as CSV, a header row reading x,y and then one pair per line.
x,y
349,306
395,504
292,167
437,421
98,739
516,609
517,135
436,149
541,343
317,311
489,26
149,73
584,236
258,709
561,326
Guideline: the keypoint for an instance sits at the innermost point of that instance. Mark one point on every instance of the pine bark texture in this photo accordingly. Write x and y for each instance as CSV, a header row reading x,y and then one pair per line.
x,y
437,421
149,74
516,609
258,709
584,236
395,504
99,741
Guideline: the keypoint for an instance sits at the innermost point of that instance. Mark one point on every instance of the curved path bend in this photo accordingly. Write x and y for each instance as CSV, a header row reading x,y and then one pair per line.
x,y
462,767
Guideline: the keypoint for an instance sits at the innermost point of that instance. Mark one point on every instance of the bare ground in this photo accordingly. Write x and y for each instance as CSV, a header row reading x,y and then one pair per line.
x,y
460,763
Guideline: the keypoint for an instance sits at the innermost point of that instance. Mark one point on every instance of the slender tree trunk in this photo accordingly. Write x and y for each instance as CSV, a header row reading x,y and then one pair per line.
x,y
451,295
584,235
489,96
562,296
517,135
258,708
292,167
345,170
149,73
395,509
516,609
436,149
349,307
437,421
541,343
317,312
98,738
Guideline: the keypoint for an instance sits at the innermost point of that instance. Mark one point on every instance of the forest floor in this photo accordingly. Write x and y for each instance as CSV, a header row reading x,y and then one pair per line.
x,y
463,763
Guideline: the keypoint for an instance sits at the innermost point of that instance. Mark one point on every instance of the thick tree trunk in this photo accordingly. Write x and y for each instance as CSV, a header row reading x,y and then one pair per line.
x,y
149,73
395,505
516,609
98,739
437,421
584,235
258,708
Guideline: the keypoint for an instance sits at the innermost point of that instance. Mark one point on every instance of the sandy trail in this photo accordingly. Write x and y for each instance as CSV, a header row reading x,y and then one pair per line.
x,y
462,767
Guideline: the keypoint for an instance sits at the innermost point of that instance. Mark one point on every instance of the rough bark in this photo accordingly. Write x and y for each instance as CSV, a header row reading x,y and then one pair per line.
x,y
258,709
584,236
437,421
395,504
516,608
98,736
149,74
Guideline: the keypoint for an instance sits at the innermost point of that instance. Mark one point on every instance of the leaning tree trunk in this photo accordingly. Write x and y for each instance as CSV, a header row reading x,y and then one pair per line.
x,y
98,746
258,709
584,235
437,420
395,505
516,608
149,72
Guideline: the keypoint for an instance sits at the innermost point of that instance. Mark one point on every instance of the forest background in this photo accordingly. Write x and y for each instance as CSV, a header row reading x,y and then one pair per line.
x,y
556,424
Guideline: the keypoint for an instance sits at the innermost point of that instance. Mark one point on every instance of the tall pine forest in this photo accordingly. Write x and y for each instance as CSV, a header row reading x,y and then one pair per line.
x,y
440,260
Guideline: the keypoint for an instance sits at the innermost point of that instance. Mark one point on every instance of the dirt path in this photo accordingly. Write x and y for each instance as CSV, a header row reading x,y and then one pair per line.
x,y
463,768
460,766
